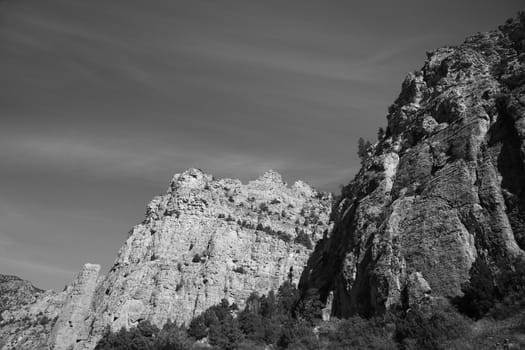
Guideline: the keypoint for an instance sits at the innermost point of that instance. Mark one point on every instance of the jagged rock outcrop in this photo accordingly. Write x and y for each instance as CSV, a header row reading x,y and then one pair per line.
x,y
443,188
46,319
209,239
205,240
71,326
15,292
15,296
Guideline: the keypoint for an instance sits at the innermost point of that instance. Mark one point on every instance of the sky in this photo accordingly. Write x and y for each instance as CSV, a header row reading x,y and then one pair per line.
x,y
102,101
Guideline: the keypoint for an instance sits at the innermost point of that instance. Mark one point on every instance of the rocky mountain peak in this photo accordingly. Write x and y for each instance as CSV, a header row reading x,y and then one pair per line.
x,y
190,179
204,240
439,201
271,177
441,191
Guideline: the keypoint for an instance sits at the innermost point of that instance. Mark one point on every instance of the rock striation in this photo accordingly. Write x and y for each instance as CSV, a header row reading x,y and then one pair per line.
x,y
442,189
204,240
209,239
441,193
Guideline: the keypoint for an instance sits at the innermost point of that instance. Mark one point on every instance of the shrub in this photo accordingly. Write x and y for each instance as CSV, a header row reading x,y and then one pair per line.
x,y
138,338
362,148
240,270
431,331
44,320
298,335
172,337
198,328
511,284
283,236
380,133
480,293
358,333
304,239
499,295
226,334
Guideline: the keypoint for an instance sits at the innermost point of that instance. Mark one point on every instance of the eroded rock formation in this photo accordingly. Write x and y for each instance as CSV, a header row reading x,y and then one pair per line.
x,y
204,240
46,319
209,239
443,188
72,326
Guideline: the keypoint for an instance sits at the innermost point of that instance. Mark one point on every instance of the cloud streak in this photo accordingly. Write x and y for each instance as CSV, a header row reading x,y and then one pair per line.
x,y
102,101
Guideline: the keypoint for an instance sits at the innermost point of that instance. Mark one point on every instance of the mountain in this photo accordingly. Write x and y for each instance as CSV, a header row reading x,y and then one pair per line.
x,y
440,199
435,216
205,240
26,313
15,292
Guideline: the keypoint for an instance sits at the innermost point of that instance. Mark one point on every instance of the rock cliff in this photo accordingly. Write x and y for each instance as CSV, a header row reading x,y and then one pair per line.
x,y
441,192
15,292
40,319
443,188
15,295
209,239
204,240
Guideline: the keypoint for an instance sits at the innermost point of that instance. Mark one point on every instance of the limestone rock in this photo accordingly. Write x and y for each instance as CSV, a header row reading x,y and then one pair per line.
x,y
418,289
205,240
71,327
443,187
15,292
27,315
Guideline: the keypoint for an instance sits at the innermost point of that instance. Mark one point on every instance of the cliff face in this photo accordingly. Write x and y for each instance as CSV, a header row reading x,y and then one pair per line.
x,y
41,319
15,295
209,239
443,188
15,292
206,239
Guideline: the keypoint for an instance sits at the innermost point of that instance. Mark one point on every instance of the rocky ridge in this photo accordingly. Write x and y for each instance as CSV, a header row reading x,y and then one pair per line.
x,y
15,295
29,323
204,240
15,292
443,189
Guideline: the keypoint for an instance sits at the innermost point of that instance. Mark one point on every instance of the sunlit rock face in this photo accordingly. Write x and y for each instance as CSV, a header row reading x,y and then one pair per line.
x,y
15,295
209,239
442,188
204,240
33,319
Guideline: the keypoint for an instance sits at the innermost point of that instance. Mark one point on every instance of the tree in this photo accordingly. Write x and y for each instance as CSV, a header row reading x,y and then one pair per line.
x,y
173,337
380,134
362,148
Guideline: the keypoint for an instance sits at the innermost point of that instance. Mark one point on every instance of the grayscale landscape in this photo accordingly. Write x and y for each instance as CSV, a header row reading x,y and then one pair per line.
x,y
262,175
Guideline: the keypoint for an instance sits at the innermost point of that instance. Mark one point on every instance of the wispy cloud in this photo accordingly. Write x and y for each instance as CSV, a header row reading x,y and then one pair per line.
x,y
120,161
123,161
